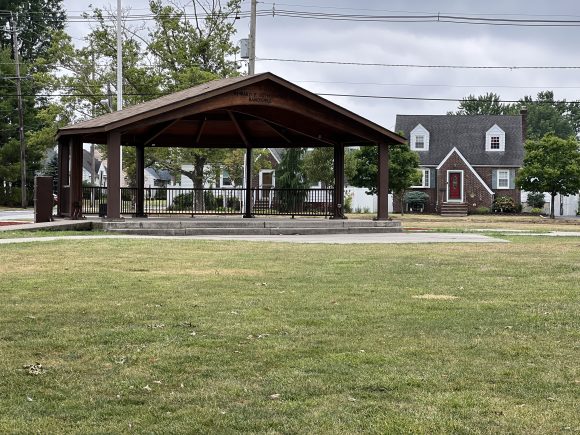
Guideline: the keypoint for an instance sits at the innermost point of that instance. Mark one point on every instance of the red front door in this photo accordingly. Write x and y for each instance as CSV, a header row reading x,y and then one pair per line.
x,y
455,186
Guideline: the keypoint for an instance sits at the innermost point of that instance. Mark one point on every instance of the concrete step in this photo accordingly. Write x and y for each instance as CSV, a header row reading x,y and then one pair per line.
x,y
145,224
208,231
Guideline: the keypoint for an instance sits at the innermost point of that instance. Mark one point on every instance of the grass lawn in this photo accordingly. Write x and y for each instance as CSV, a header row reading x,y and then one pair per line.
x,y
474,222
222,337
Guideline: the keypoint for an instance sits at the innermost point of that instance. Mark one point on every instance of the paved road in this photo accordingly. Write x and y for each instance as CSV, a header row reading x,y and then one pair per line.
x,y
17,215
341,239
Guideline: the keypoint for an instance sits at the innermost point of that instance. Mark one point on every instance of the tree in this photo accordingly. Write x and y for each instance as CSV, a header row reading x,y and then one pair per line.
x,y
233,162
168,55
403,170
551,164
290,175
488,104
35,20
545,115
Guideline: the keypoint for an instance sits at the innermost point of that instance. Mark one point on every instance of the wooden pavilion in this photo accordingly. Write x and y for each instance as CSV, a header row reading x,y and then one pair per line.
x,y
256,111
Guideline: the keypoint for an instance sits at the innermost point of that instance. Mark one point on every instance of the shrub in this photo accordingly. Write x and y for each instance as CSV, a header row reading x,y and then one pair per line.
x,y
233,203
182,202
347,204
210,201
536,200
481,210
537,210
416,200
503,204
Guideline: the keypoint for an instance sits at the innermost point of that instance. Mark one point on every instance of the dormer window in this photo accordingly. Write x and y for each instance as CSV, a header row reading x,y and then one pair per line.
x,y
495,139
420,142
419,139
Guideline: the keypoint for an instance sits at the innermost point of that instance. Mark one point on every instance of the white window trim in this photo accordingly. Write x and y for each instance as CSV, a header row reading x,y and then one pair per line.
x,y
503,178
265,171
419,130
456,171
426,179
222,180
497,132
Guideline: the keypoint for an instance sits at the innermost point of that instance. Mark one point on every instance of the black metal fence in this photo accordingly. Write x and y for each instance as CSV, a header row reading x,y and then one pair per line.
x,y
224,201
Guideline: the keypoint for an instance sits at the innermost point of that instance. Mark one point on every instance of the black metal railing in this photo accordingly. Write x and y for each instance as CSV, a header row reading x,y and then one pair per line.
x,y
300,202
227,201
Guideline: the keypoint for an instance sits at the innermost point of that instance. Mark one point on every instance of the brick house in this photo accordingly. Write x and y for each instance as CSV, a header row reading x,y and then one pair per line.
x,y
465,160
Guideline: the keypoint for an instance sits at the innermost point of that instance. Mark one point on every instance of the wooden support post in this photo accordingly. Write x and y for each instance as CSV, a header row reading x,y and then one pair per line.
x,y
248,210
114,176
140,178
338,182
383,183
76,178
63,178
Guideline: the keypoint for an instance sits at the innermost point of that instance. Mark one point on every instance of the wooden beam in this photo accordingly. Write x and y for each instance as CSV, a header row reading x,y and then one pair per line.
x,y
200,132
309,135
278,132
239,128
160,131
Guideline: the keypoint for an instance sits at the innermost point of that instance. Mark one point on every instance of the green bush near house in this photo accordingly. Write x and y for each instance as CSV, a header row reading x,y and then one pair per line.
x,y
182,202
536,210
416,200
536,200
504,204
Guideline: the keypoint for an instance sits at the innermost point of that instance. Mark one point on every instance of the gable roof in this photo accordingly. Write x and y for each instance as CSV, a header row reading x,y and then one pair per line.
x,y
336,119
467,133
87,162
477,176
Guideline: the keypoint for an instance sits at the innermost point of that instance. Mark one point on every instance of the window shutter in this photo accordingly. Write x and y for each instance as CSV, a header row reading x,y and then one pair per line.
x,y
432,178
512,178
494,179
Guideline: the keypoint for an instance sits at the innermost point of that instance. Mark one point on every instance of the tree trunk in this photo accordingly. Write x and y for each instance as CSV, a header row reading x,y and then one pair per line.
x,y
552,215
402,203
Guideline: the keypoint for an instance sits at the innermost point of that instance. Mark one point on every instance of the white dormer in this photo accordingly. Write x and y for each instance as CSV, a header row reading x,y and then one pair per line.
x,y
420,138
495,139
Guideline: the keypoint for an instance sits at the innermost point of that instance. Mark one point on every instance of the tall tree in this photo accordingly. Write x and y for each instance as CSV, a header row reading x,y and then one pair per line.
x,y
290,177
551,164
488,104
35,20
176,51
545,115
403,170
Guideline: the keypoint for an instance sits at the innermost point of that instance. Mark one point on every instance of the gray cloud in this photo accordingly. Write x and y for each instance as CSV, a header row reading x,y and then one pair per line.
x,y
416,43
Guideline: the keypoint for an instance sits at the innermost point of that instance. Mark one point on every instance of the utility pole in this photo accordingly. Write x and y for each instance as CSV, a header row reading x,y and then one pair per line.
x,y
252,60
93,115
120,76
16,45
119,58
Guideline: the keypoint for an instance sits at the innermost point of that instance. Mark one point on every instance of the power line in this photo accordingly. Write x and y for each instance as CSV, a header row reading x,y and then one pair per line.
x,y
386,97
404,17
401,65
434,85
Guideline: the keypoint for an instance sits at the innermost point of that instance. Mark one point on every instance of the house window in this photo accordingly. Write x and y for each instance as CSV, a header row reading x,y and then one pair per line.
x,y
425,179
226,180
503,179
420,142
495,139
419,138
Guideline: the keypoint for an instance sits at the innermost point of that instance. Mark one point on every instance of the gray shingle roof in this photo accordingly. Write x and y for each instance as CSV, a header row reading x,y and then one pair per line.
x,y
467,133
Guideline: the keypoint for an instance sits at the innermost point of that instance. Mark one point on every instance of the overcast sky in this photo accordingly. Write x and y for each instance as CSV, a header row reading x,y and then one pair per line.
x,y
409,43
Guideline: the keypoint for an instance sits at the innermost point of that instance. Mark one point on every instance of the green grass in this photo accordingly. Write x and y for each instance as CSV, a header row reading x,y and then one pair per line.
x,y
17,234
336,330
